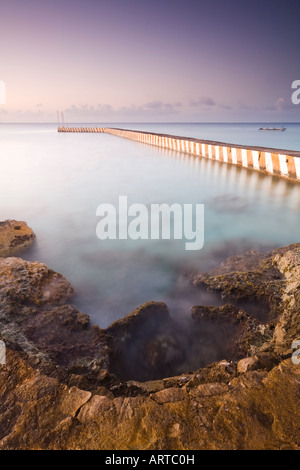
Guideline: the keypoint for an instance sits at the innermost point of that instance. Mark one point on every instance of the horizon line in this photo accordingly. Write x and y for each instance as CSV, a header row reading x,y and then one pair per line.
x,y
157,122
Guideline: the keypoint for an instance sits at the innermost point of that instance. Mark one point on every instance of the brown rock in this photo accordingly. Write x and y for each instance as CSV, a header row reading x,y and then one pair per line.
x,y
259,412
32,283
209,390
169,395
14,237
244,364
95,409
31,315
223,332
145,343
149,387
57,390
74,400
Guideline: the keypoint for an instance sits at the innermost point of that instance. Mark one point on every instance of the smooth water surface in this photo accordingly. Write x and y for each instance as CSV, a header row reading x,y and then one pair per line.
x,y
56,181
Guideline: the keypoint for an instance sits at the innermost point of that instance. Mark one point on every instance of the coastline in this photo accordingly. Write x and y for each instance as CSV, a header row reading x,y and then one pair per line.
x,y
66,372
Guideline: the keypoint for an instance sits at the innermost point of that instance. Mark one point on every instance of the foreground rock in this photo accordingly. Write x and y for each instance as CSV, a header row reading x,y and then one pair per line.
x,y
34,316
146,344
255,410
272,286
70,385
14,237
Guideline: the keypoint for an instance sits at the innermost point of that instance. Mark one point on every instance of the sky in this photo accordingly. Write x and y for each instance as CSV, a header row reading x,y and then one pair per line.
x,y
149,61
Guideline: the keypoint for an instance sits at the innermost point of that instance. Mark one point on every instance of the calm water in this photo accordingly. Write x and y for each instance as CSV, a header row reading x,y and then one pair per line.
x,y
55,182
244,134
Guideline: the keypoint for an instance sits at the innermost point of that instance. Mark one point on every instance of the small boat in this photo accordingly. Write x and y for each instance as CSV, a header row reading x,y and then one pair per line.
x,y
280,129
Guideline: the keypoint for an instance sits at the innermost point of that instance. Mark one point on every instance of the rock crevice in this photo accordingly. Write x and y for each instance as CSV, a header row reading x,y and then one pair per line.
x,y
68,384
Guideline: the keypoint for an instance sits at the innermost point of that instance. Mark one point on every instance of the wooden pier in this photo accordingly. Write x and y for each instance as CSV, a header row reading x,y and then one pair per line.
x,y
80,129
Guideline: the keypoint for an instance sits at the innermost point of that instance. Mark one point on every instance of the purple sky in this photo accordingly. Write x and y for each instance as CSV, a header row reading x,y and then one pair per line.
x,y
132,60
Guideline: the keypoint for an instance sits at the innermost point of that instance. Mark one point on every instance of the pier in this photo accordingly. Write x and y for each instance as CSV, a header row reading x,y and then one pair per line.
x,y
282,163
80,129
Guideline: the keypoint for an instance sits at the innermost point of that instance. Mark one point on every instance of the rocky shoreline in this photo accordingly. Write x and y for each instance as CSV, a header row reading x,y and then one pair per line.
x,y
68,384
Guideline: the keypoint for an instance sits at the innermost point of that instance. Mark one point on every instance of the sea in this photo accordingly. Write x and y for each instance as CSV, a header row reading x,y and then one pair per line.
x,y
56,181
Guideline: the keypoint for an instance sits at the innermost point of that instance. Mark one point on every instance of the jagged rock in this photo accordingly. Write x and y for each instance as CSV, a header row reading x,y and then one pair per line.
x,y
33,317
32,283
144,343
255,411
244,364
274,280
145,315
96,407
169,395
241,263
287,328
209,390
58,391
15,236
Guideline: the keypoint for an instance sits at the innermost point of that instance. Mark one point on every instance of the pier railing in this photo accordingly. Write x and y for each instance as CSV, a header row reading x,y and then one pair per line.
x,y
283,163
80,129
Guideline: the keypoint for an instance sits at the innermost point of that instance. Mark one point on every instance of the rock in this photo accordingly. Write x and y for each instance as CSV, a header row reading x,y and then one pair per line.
x,y
149,387
97,406
177,381
32,283
209,390
146,343
74,401
60,387
258,412
268,360
52,334
145,315
226,331
14,237
244,364
287,261
103,391
169,395
272,284
241,263
174,431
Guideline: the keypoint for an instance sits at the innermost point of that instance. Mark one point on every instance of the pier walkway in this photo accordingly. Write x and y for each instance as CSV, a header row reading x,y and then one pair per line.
x,y
80,129
282,163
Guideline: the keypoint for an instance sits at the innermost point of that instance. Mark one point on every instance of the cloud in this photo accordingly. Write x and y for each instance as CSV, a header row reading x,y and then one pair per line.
x,y
106,111
151,111
208,102
282,105
203,101
244,106
90,110
225,106
161,106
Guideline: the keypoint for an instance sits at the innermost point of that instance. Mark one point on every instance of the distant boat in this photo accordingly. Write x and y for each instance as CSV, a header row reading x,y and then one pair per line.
x,y
281,129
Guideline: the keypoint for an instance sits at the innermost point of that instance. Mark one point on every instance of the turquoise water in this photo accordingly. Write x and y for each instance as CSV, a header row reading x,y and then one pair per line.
x,y
243,134
55,182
